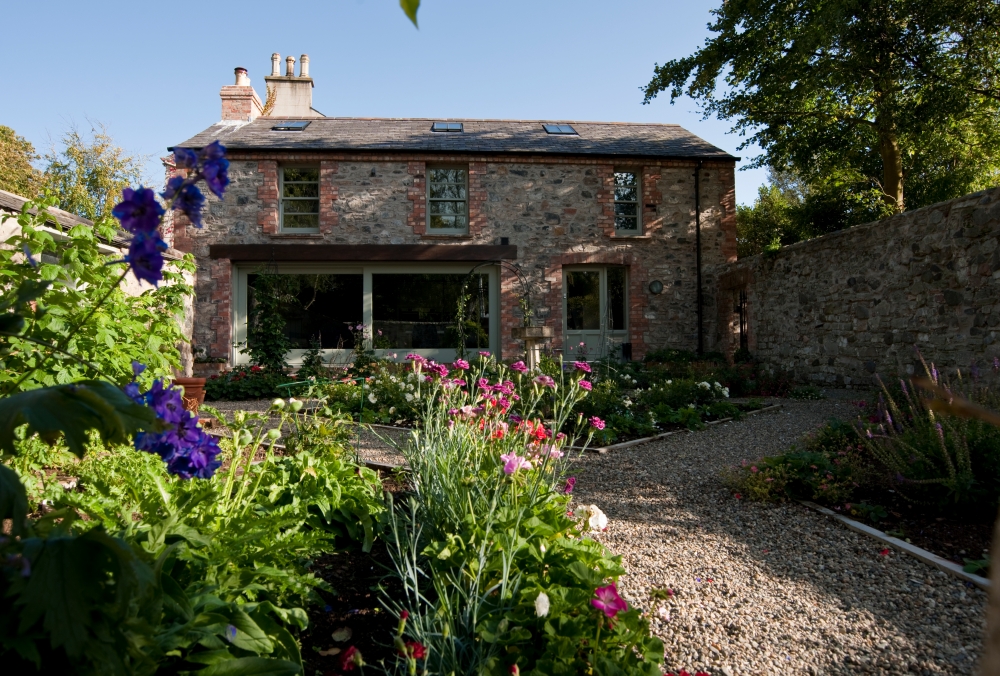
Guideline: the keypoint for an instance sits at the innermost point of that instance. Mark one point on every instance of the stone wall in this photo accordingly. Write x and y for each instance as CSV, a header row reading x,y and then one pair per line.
x,y
558,211
837,309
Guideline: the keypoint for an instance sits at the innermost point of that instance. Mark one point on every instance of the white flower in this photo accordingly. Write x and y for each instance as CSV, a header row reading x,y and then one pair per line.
x,y
371,398
410,387
627,402
542,547
409,397
592,514
705,386
392,409
725,392
717,385
542,604
669,381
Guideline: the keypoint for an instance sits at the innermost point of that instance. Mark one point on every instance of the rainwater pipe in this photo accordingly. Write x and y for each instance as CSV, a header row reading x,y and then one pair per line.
x,y
697,255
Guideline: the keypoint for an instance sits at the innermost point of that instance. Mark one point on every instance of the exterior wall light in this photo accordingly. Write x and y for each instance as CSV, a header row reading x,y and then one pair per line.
x,y
656,286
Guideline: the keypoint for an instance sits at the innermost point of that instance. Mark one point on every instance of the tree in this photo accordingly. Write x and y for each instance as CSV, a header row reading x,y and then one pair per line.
x,y
869,93
88,175
17,175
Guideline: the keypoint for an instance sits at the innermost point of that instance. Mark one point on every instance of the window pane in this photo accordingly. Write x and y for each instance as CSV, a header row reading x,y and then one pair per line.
x,y
320,306
301,207
301,174
626,223
444,222
583,300
447,190
419,311
616,299
300,189
625,194
301,221
627,209
623,178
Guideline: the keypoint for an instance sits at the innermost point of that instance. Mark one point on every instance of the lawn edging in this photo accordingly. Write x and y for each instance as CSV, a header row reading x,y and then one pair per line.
x,y
646,440
947,566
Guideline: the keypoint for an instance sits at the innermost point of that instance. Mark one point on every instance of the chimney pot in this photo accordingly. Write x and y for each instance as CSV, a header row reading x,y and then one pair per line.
x,y
275,64
241,77
289,66
304,65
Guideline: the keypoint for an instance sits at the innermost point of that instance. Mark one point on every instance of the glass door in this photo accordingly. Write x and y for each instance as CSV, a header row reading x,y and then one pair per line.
x,y
594,302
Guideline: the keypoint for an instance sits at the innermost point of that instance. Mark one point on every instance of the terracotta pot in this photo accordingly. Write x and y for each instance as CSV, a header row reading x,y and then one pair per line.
x,y
194,392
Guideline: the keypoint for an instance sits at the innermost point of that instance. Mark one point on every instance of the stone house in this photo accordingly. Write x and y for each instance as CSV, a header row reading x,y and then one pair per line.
x,y
603,232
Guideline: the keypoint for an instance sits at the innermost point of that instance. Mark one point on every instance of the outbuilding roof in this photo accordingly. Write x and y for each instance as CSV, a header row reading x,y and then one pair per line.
x,y
622,139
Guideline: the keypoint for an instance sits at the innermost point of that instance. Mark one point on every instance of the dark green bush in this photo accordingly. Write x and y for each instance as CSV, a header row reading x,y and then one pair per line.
x,y
246,382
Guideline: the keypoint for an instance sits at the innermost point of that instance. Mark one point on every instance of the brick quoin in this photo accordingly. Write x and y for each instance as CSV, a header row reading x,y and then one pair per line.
x,y
606,198
267,193
728,221
328,218
477,198
221,300
417,194
651,199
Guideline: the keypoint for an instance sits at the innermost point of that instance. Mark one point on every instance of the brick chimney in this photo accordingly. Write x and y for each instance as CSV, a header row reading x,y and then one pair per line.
x,y
292,94
240,102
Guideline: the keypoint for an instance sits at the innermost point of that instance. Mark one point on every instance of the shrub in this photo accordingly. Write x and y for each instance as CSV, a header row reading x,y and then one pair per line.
x,y
245,382
806,392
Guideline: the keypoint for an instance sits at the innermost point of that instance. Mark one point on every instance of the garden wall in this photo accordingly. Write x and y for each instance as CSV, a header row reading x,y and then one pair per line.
x,y
837,309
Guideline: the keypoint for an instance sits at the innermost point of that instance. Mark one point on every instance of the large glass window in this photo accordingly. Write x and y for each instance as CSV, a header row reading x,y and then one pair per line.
x,y
300,199
596,305
418,311
320,307
447,200
627,203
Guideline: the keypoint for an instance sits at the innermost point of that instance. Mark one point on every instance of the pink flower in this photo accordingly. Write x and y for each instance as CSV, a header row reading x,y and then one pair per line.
x,y
461,364
585,385
754,469
581,366
514,462
484,354
608,601
519,367
570,484
546,381
551,451
597,423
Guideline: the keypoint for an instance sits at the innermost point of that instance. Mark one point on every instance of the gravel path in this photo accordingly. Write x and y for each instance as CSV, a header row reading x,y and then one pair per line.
x,y
762,589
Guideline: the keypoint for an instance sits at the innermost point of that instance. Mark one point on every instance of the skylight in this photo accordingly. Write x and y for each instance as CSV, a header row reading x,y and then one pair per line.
x,y
294,125
447,126
560,129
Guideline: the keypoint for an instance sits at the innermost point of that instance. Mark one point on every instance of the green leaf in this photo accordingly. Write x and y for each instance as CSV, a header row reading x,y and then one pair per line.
x,y
249,635
13,499
72,410
251,666
410,8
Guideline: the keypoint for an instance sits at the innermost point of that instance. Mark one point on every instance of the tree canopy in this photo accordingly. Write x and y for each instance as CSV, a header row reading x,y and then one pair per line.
x,y
857,95
17,174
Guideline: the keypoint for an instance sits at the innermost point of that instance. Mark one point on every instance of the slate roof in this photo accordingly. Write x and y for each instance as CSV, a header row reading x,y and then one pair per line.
x,y
623,139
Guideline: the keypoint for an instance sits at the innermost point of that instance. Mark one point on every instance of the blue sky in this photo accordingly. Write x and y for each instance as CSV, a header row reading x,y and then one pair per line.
x,y
153,77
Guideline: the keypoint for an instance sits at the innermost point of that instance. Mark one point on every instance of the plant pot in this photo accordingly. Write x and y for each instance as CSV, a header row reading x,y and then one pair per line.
x,y
194,392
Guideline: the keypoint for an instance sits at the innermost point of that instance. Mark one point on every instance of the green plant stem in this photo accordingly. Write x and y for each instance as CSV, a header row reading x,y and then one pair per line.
x,y
65,340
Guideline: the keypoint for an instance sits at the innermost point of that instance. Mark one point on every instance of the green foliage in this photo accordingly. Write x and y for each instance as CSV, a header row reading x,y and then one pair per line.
x,y
807,392
856,96
67,295
245,382
410,8
475,546
88,174
267,343
312,361
17,175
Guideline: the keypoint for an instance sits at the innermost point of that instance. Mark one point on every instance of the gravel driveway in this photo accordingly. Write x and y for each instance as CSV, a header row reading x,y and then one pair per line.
x,y
762,589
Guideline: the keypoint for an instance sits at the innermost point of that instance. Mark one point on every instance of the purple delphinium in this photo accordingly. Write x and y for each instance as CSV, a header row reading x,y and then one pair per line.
x,y
139,212
186,198
215,167
145,256
186,448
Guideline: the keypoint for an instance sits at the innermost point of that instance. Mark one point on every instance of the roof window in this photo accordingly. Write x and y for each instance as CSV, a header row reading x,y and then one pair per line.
x,y
447,126
560,129
294,125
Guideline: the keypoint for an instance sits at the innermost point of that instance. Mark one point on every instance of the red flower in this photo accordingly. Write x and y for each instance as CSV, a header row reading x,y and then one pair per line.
x,y
256,369
515,670
414,649
405,615
350,659
884,552
738,496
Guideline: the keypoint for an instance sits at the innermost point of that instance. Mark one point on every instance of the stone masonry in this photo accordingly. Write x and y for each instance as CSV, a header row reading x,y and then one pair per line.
x,y
557,210
838,309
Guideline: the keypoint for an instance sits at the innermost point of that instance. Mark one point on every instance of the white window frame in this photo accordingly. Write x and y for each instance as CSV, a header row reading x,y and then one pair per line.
x,y
282,199
447,231
609,338
638,204
241,272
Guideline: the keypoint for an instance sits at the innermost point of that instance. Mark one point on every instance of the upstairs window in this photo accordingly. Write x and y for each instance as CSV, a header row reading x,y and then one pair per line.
x,y
447,126
627,203
299,199
447,201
